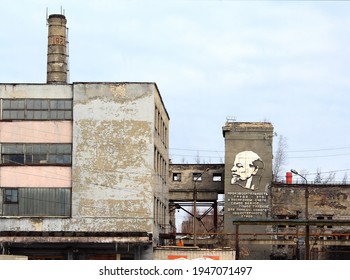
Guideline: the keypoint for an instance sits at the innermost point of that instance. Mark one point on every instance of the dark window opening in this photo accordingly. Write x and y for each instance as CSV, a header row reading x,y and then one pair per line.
x,y
10,196
217,177
197,177
329,218
177,177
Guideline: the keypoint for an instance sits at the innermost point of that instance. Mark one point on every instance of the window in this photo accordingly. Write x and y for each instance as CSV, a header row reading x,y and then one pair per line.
x,y
197,177
329,218
12,153
33,202
177,177
326,217
320,218
217,177
37,109
32,154
10,196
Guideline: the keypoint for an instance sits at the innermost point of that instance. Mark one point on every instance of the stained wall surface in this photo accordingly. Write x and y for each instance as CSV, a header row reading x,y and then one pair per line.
x,y
113,157
117,178
248,175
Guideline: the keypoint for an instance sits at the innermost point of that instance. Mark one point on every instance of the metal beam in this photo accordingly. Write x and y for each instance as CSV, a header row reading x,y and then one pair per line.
x,y
291,242
75,239
291,222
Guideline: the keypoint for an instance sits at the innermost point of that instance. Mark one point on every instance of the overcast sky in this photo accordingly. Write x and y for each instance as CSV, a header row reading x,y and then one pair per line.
x,y
286,62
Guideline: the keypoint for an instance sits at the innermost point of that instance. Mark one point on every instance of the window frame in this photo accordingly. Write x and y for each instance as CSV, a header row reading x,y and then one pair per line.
x,y
177,176
14,199
197,176
217,177
35,109
36,154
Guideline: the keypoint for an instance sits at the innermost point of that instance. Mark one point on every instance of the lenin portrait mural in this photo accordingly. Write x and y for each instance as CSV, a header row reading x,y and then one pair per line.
x,y
247,170
248,175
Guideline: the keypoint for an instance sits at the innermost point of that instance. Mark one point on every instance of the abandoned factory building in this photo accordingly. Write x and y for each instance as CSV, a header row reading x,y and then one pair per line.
x,y
244,208
85,173
84,166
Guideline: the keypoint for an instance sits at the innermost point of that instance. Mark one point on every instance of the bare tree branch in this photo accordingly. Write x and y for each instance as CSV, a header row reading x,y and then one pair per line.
x,y
280,158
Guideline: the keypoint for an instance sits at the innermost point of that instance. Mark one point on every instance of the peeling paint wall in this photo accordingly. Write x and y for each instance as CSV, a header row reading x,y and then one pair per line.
x,y
324,200
161,168
208,187
113,156
115,183
248,169
248,176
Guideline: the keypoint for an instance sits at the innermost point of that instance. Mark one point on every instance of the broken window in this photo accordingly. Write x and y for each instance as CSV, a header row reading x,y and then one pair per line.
x,y
329,218
217,177
176,176
197,177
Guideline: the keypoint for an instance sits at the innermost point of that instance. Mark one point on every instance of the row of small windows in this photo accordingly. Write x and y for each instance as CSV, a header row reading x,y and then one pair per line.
x,y
32,154
197,177
160,164
35,201
37,109
159,212
160,127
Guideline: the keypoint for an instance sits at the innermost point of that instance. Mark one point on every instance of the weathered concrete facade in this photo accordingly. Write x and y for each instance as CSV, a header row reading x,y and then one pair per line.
x,y
84,166
199,184
248,175
207,178
114,183
327,203
281,235
113,157
193,253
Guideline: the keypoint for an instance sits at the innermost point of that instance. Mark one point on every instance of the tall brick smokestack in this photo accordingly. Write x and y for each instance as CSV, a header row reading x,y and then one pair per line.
x,y
57,50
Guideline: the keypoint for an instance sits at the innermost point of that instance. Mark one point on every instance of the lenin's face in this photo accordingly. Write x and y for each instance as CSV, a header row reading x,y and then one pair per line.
x,y
243,167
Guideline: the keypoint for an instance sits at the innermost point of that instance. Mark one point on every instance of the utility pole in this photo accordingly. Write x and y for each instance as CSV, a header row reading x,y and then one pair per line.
x,y
199,176
307,227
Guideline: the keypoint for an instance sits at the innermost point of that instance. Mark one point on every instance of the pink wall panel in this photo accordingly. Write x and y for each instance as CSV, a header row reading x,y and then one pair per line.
x,y
36,132
35,176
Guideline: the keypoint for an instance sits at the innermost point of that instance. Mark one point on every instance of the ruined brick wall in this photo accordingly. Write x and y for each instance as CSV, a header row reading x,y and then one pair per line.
x,y
324,200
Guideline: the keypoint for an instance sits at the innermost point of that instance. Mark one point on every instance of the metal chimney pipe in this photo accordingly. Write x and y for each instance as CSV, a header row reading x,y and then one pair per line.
x,y
57,50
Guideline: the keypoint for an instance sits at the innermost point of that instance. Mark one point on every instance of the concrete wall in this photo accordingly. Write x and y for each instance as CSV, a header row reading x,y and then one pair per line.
x,y
13,257
113,156
117,184
35,91
208,187
324,200
248,175
115,181
161,167
188,253
248,169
